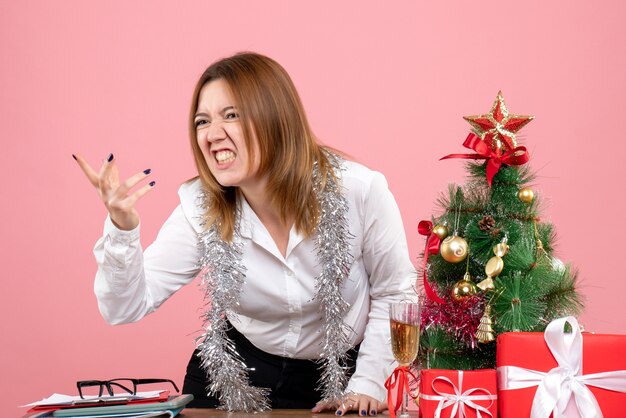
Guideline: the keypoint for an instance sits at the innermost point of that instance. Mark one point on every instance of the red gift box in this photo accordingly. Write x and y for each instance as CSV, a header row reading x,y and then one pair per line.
x,y
553,364
458,393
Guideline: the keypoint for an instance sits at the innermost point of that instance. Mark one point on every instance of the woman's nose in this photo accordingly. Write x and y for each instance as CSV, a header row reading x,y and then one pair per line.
x,y
216,132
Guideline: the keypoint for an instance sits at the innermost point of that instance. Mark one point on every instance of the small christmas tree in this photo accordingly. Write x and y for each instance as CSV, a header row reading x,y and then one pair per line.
x,y
488,264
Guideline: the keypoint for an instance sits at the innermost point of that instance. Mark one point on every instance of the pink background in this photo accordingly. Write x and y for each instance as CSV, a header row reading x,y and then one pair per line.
x,y
387,82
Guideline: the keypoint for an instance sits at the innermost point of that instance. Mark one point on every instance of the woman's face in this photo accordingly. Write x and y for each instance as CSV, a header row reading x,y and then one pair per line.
x,y
220,137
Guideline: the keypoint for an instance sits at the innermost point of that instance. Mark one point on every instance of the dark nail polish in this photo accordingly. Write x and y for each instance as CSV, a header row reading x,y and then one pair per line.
x,y
152,183
363,413
110,158
146,172
373,413
338,413
74,157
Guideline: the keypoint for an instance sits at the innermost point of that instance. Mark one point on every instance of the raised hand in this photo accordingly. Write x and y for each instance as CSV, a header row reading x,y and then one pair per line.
x,y
117,197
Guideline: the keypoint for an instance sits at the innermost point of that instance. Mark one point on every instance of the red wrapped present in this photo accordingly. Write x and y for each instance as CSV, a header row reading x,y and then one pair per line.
x,y
540,375
458,393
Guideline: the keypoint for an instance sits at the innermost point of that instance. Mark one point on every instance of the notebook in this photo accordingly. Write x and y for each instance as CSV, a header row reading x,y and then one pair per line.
x,y
170,408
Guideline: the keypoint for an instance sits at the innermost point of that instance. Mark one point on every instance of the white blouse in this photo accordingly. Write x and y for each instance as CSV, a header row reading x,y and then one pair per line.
x,y
277,311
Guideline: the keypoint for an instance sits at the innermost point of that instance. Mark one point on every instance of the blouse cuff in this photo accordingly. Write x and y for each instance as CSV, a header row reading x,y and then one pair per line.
x,y
369,388
119,235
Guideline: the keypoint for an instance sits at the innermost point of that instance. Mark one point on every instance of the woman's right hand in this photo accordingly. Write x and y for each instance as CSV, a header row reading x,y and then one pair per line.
x,y
116,197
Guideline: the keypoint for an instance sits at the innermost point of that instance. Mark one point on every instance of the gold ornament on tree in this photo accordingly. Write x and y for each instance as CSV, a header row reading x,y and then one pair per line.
x,y
498,127
484,333
526,195
454,249
495,265
464,288
441,230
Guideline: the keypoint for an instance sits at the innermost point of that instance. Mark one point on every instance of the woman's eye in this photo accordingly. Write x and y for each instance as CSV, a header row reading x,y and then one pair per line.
x,y
231,115
200,122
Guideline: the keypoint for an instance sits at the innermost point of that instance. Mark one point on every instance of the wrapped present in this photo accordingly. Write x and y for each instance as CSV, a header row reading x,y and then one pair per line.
x,y
563,374
458,393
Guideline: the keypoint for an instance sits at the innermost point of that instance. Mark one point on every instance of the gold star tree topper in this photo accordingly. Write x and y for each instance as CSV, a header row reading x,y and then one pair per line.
x,y
498,128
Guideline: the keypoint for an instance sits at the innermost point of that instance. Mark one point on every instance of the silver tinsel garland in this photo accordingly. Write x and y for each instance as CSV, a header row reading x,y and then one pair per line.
x,y
224,275
333,253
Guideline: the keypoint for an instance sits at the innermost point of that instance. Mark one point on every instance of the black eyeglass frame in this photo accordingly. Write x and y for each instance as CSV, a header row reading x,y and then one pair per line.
x,y
109,384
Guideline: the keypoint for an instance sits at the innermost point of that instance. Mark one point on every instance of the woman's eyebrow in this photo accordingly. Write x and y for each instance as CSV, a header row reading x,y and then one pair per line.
x,y
226,109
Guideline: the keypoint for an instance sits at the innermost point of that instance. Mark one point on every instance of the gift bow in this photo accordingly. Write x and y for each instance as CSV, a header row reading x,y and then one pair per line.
x,y
459,399
399,380
516,156
432,247
556,387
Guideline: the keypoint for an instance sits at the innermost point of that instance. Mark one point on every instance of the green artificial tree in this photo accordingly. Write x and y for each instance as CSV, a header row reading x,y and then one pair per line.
x,y
488,265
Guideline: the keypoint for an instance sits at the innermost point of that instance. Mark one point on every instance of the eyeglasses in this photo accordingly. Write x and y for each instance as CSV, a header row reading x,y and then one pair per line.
x,y
124,384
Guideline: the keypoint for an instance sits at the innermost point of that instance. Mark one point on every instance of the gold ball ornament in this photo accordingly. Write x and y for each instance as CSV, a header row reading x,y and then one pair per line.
x,y
526,195
454,249
441,231
464,288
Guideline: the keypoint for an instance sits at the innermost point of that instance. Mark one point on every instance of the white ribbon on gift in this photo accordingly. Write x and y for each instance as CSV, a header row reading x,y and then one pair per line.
x,y
459,399
556,387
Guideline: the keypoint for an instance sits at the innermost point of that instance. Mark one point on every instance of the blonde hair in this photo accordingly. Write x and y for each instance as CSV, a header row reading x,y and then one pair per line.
x,y
270,110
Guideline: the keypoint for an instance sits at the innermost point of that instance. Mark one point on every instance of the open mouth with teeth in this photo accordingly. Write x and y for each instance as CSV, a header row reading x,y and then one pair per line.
x,y
224,156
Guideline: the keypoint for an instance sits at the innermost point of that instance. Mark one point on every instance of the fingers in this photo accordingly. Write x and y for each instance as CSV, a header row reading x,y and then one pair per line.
x,y
90,173
122,191
323,405
382,406
133,181
133,198
363,405
108,178
118,199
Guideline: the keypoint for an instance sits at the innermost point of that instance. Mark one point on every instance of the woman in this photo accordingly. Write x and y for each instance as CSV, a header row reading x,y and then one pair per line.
x,y
300,252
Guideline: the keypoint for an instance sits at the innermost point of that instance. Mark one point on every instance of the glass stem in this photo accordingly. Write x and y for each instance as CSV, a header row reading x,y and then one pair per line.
x,y
405,404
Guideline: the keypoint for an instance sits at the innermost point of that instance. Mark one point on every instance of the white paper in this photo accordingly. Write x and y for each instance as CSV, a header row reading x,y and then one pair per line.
x,y
60,399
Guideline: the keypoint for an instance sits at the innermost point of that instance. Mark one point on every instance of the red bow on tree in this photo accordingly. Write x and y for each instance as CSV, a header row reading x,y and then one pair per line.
x,y
516,156
432,247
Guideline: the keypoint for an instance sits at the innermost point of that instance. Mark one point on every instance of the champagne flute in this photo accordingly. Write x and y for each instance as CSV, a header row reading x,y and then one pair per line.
x,y
404,319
